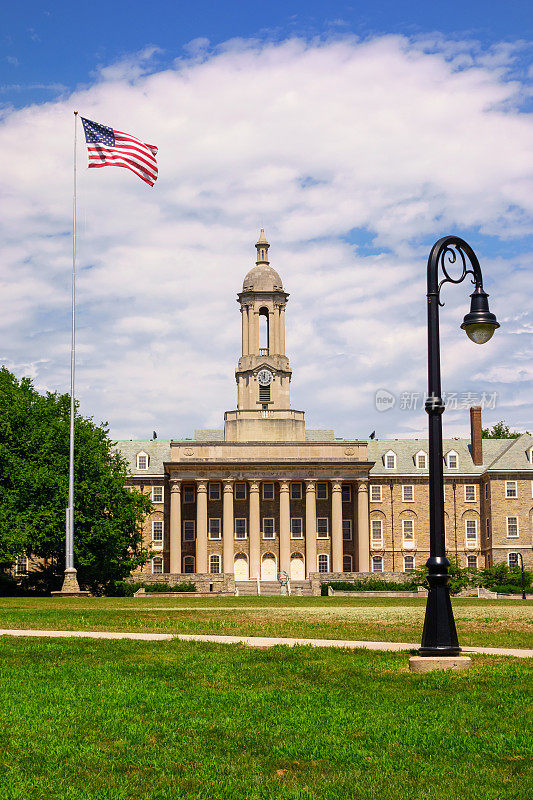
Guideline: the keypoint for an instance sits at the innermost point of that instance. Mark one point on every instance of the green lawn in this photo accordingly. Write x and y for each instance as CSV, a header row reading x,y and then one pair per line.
x,y
93,720
507,623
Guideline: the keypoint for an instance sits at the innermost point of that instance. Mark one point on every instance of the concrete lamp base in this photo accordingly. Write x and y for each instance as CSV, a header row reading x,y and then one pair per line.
x,y
70,586
430,663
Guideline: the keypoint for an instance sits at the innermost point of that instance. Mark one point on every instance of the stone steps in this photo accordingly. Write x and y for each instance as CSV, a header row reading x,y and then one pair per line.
x,y
246,588
272,588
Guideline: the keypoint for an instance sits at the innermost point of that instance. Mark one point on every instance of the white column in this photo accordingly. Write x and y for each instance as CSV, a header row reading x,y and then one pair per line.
x,y
282,330
175,526
273,344
336,525
255,333
363,529
227,527
310,528
284,527
201,527
250,328
255,531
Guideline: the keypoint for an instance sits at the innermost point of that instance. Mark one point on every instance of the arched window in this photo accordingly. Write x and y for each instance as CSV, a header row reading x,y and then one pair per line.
x,y
264,338
377,564
346,563
512,559
214,565
323,562
408,563
471,562
157,566
188,564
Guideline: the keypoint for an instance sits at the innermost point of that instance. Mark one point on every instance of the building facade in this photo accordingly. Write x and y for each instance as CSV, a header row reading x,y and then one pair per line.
x,y
264,494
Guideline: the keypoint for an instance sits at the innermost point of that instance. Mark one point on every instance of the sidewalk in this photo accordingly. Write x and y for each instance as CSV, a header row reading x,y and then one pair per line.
x,y
256,641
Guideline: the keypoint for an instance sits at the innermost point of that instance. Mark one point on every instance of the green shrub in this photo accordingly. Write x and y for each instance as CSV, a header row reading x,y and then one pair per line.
x,y
128,588
500,575
510,589
460,578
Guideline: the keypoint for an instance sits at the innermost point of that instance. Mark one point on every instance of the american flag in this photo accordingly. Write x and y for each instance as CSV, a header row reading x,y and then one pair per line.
x,y
110,148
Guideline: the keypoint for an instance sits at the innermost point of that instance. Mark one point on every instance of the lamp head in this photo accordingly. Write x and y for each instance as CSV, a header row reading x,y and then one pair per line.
x,y
479,324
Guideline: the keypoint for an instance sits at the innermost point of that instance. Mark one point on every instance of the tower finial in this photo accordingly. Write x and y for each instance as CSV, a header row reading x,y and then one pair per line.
x,y
262,246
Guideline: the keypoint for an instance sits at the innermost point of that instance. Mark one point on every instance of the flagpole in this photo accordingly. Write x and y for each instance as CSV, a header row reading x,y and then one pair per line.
x,y
70,583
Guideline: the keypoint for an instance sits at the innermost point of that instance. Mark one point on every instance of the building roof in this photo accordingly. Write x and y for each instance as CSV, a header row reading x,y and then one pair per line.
x,y
406,450
158,451
515,455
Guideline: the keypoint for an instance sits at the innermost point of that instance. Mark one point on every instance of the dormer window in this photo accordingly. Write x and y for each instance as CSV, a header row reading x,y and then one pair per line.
x,y
421,460
143,460
452,460
390,460
529,455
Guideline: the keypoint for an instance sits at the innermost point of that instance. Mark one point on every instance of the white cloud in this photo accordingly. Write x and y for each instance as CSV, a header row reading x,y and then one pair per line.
x,y
403,140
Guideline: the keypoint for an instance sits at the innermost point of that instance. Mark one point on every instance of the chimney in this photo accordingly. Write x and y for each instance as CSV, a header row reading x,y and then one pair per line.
x,y
475,435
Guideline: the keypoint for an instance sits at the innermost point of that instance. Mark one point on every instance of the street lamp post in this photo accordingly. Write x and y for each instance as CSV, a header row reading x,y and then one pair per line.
x,y
439,637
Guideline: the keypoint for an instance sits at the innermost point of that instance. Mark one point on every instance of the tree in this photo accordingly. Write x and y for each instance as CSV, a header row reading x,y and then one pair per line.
x,y
499,431
34,456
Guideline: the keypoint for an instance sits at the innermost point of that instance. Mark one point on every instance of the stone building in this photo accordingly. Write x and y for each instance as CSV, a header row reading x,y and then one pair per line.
x,y
266,494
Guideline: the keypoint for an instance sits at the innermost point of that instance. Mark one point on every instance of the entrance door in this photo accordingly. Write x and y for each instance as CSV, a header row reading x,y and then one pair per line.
x,y
268,567
240,568
297,567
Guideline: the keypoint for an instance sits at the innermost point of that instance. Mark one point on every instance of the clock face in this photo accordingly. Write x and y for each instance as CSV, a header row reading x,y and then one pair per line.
x,y
264,377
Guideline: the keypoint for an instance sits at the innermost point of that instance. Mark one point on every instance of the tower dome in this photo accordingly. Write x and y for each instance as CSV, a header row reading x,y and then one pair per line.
x,y
262,278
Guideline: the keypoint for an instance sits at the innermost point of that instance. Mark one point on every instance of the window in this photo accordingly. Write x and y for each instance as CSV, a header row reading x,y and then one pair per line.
x,y
188,530
264,393
323,562
214,491
240,528
375,493
471,562
321,491
240,491
21,565
408,563
296,528
268,528
512,527
142,461
487,527
486,491
408,494
510,489
471,531
268,491
390,460
529,455
188,494
188,564
408,530
453,461
157,566
214,565
346,493
347,529
322,529
421,463
470,493
296,491
377,564
346,563
215,528
157,494
512,559
157,533
377,531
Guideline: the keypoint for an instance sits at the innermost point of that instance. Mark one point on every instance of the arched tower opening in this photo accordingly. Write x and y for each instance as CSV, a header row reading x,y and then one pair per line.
x,y
264,333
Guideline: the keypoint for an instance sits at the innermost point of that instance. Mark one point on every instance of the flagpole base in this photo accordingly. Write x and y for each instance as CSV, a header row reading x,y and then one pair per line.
x,y
70,586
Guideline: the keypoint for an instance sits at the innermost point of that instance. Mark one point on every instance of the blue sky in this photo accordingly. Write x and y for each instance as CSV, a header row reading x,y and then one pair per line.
x,y
356,135
59,44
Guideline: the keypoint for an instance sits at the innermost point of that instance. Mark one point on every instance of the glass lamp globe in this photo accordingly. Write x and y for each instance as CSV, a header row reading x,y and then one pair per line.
x,y
479,324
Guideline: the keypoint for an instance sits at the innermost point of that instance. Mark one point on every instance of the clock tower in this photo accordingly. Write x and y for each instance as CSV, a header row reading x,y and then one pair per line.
x,y
263,374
